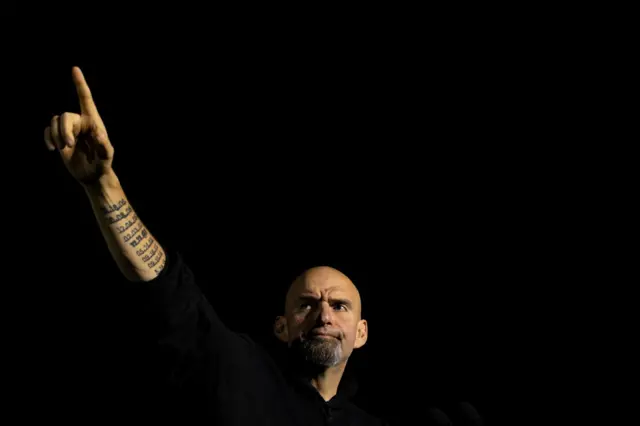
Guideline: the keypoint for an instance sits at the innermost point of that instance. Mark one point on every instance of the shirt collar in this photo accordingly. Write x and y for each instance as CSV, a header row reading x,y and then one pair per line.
x,y
347,388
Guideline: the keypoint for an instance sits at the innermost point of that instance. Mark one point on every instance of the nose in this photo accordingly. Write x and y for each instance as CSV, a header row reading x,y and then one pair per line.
x,y
325,313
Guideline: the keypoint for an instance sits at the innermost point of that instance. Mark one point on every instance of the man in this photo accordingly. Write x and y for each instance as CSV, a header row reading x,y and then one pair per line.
x,y
228,378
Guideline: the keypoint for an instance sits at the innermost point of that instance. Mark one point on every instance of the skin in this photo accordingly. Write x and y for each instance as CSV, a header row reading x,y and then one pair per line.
x,y
323,323
86,151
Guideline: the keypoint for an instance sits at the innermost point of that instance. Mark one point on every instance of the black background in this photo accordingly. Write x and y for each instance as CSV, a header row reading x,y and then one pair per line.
x,y
413,155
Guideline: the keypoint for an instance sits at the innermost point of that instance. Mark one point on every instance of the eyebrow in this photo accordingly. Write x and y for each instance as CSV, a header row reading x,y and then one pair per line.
x,y
342,300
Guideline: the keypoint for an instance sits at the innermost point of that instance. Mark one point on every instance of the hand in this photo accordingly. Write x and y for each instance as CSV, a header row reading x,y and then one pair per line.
x,y
81,140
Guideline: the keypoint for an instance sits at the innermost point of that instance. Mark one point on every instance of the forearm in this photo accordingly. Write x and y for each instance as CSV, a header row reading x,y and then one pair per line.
x,y
136,252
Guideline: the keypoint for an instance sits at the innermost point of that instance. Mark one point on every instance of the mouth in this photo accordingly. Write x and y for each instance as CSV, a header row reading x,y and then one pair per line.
x,y
321,335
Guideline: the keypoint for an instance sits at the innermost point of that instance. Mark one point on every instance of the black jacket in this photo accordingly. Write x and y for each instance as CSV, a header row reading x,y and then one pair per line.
x,y
220,377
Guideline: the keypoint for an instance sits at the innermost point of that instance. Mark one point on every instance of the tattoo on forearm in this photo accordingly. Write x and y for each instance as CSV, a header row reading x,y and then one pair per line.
x,y
137,239
156,260
133,227
118,217
151,254
134,233
114,207
128,224
159,269
145,247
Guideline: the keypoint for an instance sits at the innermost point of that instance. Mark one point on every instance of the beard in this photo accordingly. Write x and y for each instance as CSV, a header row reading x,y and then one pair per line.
x,y
319,351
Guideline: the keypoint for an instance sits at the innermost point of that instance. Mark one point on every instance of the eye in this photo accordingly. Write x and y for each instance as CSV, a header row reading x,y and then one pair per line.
x,y
340,307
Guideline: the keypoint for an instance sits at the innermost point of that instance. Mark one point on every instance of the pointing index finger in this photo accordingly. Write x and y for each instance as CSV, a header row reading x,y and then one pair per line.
x,y
87,106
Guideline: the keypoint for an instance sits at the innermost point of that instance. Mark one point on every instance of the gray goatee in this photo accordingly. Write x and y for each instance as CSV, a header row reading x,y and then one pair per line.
x,y
325,352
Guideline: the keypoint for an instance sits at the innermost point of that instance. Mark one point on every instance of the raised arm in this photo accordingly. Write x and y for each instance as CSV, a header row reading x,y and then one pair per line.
x,y
186,330
85,149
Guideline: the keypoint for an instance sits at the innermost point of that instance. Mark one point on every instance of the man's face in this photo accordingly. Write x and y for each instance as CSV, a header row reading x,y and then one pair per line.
x,y
322,316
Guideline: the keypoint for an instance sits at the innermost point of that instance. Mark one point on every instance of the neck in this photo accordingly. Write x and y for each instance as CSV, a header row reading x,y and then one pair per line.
x,y
327,381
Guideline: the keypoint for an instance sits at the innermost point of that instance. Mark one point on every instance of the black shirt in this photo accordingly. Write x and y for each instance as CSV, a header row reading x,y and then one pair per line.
x,y
218,376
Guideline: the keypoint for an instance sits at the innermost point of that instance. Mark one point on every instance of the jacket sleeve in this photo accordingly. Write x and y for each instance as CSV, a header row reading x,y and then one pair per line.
x,y
186,333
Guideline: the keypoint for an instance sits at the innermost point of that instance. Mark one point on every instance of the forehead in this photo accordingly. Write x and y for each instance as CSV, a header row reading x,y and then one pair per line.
x,y
322,279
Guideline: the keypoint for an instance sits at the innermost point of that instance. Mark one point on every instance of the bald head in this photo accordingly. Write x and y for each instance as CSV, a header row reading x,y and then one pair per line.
x,y
324,280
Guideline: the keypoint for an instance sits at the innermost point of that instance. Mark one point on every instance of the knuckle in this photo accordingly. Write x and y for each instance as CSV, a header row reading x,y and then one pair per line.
x,y
69,116
97,131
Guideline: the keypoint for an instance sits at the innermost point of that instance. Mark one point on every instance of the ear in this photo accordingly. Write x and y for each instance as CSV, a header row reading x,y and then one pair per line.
x,y
362,334
280,329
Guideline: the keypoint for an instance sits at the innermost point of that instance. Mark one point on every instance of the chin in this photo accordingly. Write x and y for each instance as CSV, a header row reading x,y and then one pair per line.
x,y
322,351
